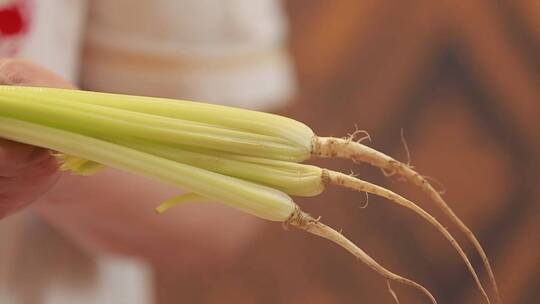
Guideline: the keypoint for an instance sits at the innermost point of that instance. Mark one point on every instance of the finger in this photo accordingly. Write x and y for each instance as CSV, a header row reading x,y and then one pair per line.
x,y
24,73
15,157
19,191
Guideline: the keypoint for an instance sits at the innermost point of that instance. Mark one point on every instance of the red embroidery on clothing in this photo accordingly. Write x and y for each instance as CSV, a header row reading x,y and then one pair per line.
x,y
14,24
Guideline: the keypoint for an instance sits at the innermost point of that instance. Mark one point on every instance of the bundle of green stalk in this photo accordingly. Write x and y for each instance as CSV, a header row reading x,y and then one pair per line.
x,y
248,160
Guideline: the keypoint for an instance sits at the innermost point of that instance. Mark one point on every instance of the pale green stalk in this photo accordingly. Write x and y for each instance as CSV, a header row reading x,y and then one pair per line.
x,y
259,200
296,134
235,118
99,121
291,178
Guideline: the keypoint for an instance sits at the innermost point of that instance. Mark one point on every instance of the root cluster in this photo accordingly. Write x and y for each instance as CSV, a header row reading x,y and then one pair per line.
x,y
349,148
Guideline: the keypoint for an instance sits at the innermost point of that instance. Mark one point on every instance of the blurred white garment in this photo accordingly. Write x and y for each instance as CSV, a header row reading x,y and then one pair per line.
x,y
222,51
55,35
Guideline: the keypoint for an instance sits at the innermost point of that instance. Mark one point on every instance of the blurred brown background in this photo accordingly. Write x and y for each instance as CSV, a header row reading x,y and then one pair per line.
x,y
461,78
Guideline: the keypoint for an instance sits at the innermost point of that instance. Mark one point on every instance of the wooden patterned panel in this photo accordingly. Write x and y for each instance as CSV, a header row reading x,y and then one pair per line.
x,y
461,78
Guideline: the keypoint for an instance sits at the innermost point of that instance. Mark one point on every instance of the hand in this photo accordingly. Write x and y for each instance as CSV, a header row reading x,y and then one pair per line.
x,y
26,172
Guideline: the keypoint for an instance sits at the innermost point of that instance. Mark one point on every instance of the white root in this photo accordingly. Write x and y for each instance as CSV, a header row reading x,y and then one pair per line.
x,y
392,292
350,182
304,221
326,147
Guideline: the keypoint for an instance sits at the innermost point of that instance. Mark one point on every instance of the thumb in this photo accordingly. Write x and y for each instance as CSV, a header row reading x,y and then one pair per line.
x,y
24,73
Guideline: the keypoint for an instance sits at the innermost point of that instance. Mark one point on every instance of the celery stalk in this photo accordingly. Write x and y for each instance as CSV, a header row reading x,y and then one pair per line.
x,y
259,200
99,121
223,116
291,178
